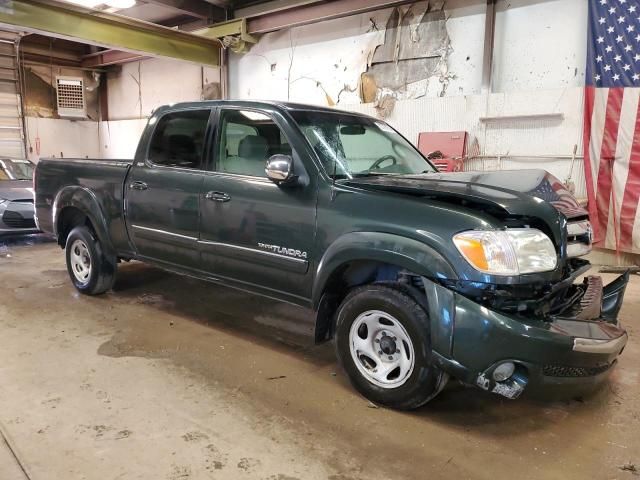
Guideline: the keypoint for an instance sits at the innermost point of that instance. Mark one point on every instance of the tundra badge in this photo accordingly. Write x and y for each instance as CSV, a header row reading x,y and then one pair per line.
x,y
290,252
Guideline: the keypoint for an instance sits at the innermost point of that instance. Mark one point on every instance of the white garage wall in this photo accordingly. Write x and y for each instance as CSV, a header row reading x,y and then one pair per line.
x,y
538,70
138,89
161,82
546,143
142,86
307,63
466,32
539,44
119,138
61,138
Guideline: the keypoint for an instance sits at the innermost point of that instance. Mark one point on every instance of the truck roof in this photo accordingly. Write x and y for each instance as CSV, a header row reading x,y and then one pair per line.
x,y
290,106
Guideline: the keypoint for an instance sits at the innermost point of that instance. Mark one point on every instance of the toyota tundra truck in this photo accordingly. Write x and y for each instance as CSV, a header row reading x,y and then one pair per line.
x,y
417,276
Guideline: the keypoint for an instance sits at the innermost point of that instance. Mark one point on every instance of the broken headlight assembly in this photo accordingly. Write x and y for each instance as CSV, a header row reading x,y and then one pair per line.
x,y
513,251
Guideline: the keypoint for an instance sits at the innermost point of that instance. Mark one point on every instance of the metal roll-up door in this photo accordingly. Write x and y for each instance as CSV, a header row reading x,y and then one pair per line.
x,y
11,116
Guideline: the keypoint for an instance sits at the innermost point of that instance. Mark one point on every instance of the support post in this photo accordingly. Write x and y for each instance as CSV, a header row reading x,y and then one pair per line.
x,y
489,35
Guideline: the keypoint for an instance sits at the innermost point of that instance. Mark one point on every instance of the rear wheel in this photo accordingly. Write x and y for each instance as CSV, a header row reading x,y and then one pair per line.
x,y
383,343
91,270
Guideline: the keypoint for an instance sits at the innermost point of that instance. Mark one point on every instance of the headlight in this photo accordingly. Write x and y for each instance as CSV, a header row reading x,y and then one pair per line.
x,y
507,252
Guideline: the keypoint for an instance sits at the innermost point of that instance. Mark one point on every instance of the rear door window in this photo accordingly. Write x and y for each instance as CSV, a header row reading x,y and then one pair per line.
x,y
178,139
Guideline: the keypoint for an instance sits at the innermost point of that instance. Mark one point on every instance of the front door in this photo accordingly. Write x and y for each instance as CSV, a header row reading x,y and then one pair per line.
x,y
163,190
253,232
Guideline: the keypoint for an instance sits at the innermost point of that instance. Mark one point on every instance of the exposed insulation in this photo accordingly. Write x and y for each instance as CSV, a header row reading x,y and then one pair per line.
x,y
414,52
396,53
40,93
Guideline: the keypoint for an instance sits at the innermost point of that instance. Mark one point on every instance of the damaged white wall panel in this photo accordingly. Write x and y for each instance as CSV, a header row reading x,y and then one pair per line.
x,y
415,49
538,44
319,63
465,27
140,87
436,51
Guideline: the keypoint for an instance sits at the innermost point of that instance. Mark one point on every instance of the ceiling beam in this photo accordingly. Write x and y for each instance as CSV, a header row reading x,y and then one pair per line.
x,y
93,27
314,13
193,8
270,7
225,4
109,57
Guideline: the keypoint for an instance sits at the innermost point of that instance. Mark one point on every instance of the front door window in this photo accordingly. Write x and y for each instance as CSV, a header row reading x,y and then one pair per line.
x,y
247,140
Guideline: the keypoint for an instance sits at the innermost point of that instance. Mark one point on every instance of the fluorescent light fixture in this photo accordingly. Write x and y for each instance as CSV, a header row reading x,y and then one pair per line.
x,y
255,116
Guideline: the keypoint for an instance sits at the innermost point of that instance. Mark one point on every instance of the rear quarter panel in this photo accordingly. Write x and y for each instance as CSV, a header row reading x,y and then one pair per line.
x,y
93,186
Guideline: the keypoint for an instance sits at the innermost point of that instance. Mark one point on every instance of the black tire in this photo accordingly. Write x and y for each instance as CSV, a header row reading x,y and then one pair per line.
x,y
102,266
425,381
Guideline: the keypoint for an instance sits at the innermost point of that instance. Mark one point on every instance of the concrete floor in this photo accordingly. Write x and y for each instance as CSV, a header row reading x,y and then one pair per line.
x,y
172,378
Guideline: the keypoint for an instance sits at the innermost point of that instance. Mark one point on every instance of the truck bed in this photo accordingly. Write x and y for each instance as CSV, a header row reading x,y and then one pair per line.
x,y
103,180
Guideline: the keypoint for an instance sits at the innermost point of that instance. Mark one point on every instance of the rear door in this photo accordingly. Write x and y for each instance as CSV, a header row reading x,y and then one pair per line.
x,y
164,186
253,232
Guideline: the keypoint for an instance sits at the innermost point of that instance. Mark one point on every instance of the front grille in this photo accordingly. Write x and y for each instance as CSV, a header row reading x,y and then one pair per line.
x,y
561,371
579,238
15,220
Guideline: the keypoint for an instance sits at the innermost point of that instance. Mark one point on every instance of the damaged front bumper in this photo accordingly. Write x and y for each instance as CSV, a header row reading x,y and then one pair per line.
x,y
570,352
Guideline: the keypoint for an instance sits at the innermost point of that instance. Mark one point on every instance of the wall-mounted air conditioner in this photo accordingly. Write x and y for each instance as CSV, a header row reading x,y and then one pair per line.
x,y
70,93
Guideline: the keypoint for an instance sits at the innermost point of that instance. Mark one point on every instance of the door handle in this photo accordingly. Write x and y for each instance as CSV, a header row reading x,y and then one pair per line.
x,y
138,186
217,196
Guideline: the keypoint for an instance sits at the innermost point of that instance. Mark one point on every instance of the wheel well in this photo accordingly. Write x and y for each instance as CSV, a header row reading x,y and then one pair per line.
x,y
70,218
353,274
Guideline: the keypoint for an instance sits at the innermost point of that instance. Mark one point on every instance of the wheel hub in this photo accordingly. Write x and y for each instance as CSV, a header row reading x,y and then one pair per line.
x,y
381,348
80,260
387,344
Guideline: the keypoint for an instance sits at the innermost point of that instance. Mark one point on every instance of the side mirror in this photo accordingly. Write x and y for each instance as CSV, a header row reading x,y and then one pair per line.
x,y
279,169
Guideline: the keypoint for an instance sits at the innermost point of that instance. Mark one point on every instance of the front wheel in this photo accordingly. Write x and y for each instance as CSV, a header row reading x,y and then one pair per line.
x,y
91,270
383,343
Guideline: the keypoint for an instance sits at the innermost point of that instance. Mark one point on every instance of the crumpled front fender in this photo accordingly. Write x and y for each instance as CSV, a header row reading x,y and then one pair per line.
x,y
415,256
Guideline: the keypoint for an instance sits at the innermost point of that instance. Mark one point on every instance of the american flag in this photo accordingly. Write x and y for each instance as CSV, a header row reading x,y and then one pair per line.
x,y
612,122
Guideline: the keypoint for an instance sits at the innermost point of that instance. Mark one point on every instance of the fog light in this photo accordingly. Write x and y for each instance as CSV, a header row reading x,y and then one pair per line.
x,y
503,371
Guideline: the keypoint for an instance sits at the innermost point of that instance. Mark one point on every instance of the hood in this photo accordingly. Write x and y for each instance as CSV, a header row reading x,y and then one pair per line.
x,y
16,190
515,192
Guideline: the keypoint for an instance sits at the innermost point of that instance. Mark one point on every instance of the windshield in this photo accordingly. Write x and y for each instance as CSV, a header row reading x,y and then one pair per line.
x,y
350,146
16,169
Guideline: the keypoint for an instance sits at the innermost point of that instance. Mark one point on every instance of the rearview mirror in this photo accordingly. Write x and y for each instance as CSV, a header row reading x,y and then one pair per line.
x,y
279,169
352,130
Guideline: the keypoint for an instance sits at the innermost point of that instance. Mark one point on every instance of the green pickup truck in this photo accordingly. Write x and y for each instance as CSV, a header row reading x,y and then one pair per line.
x,y
417,276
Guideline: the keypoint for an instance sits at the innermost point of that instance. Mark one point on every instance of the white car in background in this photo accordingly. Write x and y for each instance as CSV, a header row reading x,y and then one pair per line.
x,y
17,213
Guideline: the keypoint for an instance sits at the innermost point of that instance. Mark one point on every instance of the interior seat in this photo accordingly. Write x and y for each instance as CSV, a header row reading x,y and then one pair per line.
x,y
253,151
